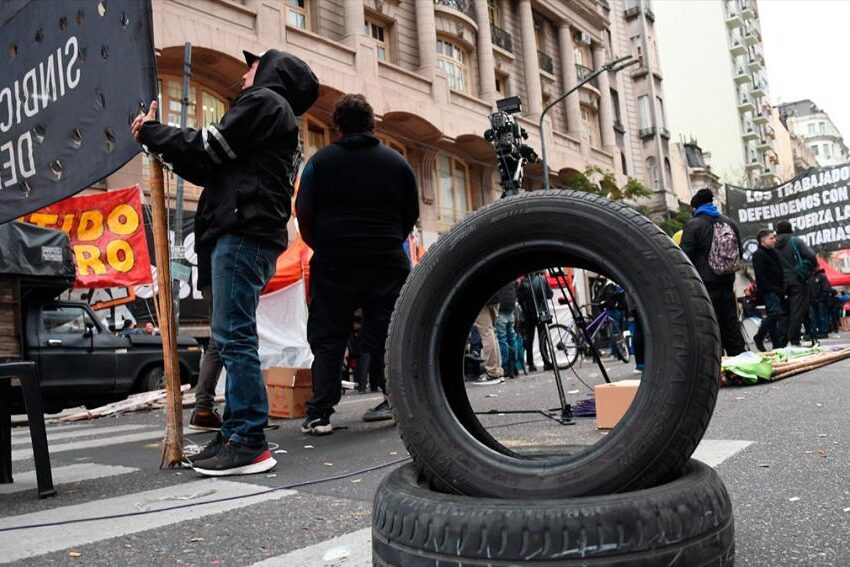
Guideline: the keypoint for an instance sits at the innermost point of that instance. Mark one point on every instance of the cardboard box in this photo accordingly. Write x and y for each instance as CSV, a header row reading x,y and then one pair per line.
x,y
288,389
613,400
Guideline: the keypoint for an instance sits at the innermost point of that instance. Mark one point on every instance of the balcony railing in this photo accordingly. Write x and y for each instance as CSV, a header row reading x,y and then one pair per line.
x,y
546,62
583,72
647,132
618,127
664,132
463,6
501,38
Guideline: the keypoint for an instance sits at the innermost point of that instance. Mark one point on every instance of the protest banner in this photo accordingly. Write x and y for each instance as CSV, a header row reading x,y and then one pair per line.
x,y
107,235
816,203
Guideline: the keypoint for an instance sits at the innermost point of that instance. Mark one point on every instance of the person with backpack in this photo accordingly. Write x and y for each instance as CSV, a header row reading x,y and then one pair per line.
x,y
712,242
798,265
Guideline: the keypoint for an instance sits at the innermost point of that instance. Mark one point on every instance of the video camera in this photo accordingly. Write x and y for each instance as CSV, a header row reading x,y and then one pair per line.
x,y
507,137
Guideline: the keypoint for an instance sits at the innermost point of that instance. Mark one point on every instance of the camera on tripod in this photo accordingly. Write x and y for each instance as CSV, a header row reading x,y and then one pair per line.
x,y
507,137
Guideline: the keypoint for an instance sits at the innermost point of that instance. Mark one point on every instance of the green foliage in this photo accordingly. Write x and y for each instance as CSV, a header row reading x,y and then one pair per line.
x,y
601,182
674,222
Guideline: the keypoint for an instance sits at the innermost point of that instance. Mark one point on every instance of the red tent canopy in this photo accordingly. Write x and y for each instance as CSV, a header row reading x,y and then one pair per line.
x,y
835,277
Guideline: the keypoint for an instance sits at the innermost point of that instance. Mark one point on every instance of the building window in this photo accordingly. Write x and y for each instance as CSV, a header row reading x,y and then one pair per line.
x,y
645,112
659,109
814,148
452,59
314,136
615,103
502,85
392,143
379,32
590,126
297,13
812,131
453,190
637,49
822,127
652,171
494,11
827,151
579,56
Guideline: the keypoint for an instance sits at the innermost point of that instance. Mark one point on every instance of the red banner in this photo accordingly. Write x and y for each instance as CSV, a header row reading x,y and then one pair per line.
x,y
107,236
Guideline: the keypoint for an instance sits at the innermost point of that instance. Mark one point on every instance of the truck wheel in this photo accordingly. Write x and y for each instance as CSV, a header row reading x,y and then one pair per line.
x,y
687,521
515,236
152,379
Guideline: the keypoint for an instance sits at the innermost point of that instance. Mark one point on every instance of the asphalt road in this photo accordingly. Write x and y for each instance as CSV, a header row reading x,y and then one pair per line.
x,y
785,464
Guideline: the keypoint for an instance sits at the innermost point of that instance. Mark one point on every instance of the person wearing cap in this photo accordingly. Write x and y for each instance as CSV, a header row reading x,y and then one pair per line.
x,y
794,252
770,286
246,164
697,241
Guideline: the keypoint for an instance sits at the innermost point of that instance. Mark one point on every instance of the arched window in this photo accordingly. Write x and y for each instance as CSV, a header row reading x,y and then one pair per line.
x,y
453,59
391,142
452,190
652,172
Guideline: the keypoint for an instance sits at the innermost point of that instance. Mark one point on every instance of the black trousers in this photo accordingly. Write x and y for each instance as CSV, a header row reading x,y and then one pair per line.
x,y
531,326
798,309
336,290
726,311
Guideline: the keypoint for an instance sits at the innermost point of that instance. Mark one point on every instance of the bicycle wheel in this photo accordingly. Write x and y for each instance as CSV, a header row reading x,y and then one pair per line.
x,y
622,347
566,345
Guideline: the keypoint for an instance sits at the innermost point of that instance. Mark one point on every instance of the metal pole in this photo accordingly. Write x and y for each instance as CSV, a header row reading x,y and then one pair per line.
x,y
615,65
178,214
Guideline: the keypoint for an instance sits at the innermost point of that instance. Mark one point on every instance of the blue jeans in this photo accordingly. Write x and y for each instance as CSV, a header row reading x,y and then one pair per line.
x,y
507,340
241,268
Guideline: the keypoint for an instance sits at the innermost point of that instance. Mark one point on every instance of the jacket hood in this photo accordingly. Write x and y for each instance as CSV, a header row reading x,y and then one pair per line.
x,y
290,77
782,240
361,140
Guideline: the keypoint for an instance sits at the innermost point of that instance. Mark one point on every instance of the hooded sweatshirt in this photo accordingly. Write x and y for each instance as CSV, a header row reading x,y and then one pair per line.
x,y
788,257
357,202
248,161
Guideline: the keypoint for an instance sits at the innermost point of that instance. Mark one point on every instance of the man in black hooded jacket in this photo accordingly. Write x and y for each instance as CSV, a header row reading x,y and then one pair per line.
x,y
796,258
246,164
357,202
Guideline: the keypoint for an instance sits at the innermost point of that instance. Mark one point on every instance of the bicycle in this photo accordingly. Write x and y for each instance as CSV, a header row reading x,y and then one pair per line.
x,y
568,341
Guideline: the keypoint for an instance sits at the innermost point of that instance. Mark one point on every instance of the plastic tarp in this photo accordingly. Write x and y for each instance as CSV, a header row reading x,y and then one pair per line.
x,y
28,250
282,326
752,367
834,276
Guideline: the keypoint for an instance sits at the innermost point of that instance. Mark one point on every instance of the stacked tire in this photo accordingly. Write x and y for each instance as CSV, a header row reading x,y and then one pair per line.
x,y
635,497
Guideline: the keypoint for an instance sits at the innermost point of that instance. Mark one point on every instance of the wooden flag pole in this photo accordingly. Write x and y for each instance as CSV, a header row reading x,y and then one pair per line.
x,y
172,448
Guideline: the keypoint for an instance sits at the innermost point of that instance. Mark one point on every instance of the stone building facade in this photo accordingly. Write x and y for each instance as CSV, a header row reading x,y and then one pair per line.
x,y
432,69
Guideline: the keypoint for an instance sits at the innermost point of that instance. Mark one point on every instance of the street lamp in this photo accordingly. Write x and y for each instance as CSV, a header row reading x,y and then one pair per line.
x,y
616,66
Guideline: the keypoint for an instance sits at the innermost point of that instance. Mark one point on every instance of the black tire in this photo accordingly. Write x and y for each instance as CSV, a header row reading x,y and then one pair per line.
x,y
565,344
622,348
687,522
516,235
152,379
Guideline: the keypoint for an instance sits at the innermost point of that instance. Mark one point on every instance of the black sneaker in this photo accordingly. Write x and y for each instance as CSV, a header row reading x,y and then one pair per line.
x,y
759,342
205,420
210,450
381,412
317,426
236,459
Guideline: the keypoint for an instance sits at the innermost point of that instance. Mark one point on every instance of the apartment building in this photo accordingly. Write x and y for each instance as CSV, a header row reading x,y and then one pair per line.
x,y
432,69
720,96
817,131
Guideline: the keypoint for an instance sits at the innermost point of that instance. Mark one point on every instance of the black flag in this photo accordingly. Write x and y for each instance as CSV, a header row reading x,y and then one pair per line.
x,y
73,75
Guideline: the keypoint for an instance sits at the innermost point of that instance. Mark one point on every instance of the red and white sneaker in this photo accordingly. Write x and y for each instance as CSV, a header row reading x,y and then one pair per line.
x,y
236,459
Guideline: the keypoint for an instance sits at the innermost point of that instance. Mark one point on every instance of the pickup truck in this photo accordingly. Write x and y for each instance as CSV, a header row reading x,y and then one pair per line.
x,y
79,360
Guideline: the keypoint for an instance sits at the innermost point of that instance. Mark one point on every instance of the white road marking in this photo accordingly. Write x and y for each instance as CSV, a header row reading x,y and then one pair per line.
x,y
350,550
714,451
355,549
24,454
52,437
32,542
65,475
25,431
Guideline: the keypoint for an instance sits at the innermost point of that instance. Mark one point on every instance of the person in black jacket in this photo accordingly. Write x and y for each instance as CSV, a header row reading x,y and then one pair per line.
x,y
770,284
697,238
795,256
820,295
246,164
357,202
534,294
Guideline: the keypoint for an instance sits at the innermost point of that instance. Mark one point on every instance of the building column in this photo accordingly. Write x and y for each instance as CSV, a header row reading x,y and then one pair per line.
x,y
568,70
486,65
426,32
354,19
606,109
534,104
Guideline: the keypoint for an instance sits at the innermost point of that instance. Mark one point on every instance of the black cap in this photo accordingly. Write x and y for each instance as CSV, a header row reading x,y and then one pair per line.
x,y
250,57
702,197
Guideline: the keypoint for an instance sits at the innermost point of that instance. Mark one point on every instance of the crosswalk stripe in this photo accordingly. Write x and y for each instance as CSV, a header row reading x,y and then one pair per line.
x,y
32,542
52,437
25,431
24,454
65,475
355,549
350,550
714,451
